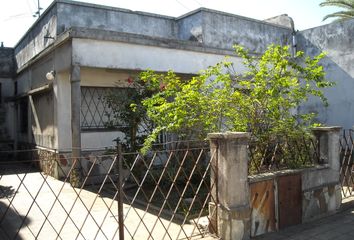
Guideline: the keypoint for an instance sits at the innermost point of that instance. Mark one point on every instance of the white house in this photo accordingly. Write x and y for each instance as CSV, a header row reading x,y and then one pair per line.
x,y
86,49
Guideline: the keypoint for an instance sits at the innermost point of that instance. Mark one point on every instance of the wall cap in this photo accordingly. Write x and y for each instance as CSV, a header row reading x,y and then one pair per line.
x,y
326,129
272,175
229,135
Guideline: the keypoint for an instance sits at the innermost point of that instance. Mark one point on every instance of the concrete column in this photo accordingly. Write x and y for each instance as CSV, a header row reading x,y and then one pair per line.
x,y
76,173
232,187
328,144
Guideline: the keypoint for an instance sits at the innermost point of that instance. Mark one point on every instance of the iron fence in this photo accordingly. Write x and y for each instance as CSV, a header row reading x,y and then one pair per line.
x,y
283,154
346,163
164,194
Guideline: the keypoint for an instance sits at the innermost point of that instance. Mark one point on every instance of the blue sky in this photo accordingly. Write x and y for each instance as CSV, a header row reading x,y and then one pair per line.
x,y
16,15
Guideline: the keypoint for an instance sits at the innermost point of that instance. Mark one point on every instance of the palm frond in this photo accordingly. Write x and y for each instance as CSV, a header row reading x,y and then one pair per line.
x,y
347,4
342,15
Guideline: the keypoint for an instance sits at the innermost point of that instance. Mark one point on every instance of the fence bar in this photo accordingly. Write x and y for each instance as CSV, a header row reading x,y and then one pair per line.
x,y
120,192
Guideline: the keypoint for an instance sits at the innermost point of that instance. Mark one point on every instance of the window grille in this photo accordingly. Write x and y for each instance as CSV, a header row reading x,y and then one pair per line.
x,y
95,110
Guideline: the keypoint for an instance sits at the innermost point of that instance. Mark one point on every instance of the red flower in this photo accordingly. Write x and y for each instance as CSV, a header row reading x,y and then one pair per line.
x,y
162,86
130,80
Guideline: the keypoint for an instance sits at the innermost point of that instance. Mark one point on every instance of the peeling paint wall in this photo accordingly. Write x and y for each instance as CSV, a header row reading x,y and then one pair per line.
x,y
321,202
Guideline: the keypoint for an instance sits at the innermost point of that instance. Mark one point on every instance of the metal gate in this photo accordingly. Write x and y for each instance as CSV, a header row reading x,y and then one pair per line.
x,y
346,163
164,194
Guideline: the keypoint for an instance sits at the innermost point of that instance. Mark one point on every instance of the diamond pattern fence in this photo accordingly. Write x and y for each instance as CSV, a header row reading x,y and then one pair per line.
x,y
162,195
346,163
173,185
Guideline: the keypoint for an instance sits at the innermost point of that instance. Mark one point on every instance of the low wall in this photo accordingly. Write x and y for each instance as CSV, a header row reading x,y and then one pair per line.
x,y
248,206
285,198
95,164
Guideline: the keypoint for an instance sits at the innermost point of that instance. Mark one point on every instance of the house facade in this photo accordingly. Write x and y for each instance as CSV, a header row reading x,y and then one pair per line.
x,y
85,50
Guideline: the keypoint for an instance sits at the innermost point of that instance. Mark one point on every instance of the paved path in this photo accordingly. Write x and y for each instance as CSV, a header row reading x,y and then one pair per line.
x,y
47,215
45,208
338,227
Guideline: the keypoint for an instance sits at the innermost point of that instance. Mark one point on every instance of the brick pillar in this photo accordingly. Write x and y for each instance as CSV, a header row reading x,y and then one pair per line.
x,y
232,190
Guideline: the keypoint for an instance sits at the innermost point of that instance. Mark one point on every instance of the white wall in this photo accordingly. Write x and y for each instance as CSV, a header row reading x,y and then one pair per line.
x,y
106,54
100,77
62,95
99,140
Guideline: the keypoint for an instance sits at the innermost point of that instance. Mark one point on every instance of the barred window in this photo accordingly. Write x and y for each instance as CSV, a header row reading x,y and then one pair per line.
x,y
95,110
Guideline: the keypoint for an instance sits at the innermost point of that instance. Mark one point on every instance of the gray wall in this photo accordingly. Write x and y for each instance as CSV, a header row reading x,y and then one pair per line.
x,y
190,26
212,29
222,30
113,19
7,63
336,39
7,71
35,40
42,122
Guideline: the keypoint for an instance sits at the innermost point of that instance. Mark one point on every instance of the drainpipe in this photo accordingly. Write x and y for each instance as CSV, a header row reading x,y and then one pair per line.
x,y
293,38
76,173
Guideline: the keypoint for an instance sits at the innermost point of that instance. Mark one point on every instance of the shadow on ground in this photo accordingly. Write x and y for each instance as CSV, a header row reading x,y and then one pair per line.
x,y
10,221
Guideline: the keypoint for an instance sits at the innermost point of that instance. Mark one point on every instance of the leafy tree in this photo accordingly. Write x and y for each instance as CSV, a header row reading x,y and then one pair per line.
x,y
263,100
346,5
129,115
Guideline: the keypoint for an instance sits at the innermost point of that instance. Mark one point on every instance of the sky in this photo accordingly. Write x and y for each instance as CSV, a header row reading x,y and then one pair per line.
x,y
16,16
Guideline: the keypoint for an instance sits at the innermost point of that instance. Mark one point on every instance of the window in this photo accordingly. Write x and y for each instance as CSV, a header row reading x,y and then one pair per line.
x,y
95,110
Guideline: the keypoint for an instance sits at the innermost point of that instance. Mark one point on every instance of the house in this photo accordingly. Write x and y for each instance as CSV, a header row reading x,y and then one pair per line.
x,y
75,52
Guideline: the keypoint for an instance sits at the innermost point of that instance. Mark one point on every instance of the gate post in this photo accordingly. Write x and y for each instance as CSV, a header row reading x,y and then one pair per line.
x,y
232,187
328,145
329,153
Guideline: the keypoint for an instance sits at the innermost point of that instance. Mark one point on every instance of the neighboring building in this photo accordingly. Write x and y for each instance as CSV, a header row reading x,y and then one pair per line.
x,y
92,48
7,73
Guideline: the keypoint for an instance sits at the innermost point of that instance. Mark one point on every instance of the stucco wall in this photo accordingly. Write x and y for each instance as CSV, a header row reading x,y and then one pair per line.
x,y
99,140
100,77
113,19
212,29
7,63
336,39
23,81
35,41
223,30
62,113
42,119
139,57
190,27
6,110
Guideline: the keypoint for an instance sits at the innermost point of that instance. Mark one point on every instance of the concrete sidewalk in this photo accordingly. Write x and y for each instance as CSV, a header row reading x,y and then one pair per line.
x,y
47,215
339,227
42,207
